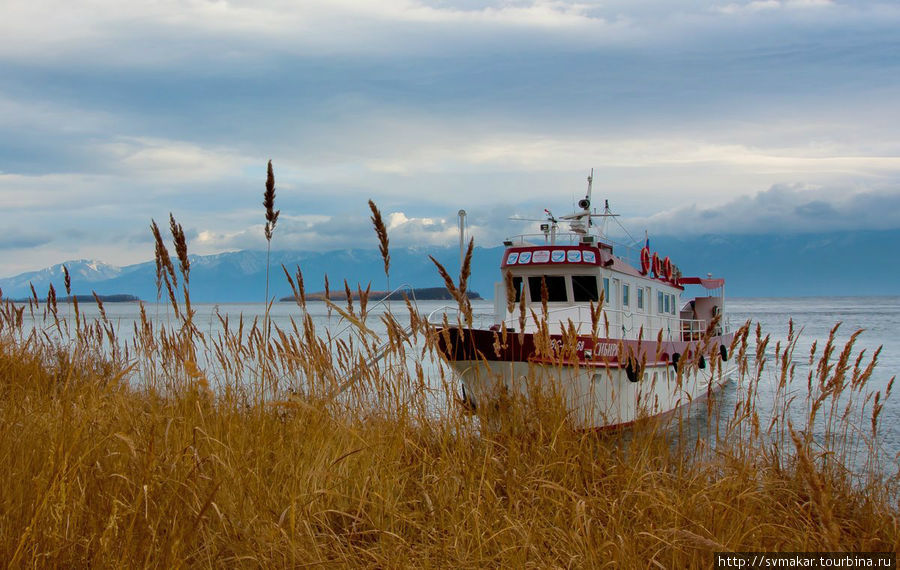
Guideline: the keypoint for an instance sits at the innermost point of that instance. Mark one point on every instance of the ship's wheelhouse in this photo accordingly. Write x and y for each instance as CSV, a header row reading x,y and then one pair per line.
x,y
569,287
574,278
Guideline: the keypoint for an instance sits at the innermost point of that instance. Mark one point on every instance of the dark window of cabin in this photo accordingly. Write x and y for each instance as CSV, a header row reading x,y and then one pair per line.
x,y
556,288
517,285
584,288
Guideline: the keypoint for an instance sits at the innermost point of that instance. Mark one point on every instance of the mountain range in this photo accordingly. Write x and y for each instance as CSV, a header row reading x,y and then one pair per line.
x,y
790,265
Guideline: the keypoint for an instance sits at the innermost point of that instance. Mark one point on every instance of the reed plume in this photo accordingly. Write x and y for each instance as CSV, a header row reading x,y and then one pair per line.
x,y
67,280
448,281
269,203
381,232
296,288
180,248
458,292
510,291
301,289
327,294
465,270
165,269
271,220
363,299
51,299
349,294
184,262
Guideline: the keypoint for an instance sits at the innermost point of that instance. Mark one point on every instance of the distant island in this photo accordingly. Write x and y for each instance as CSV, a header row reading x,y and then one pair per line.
x,y
117,298
420,294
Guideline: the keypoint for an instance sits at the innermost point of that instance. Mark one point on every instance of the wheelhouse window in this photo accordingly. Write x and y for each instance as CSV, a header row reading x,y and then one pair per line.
x,y
517,287
626,294
640,298
584,288
659,302
606,290
668,308
673,304
556,288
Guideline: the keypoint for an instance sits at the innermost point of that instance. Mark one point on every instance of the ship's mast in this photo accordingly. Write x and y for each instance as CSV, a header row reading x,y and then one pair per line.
x,y
607,214
587,198
462,237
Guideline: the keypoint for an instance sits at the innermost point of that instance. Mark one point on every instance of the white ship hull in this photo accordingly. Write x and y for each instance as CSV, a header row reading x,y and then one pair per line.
x,y
594,397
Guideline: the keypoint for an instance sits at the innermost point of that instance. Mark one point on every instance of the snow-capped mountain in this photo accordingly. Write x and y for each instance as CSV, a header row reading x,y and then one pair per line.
x,y
241,276
754,266
80,271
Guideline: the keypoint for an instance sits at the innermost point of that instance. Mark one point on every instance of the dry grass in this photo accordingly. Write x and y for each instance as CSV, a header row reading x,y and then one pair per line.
x,y
251,447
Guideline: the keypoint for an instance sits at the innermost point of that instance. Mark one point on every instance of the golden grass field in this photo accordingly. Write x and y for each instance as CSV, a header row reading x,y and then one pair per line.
x,y
239,449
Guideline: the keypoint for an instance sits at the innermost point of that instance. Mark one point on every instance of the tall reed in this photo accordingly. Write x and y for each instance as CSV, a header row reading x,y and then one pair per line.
x,y
381,232
303,447
271,218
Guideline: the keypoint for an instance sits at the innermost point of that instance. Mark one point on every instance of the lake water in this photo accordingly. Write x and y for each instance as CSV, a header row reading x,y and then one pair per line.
x,y
878,317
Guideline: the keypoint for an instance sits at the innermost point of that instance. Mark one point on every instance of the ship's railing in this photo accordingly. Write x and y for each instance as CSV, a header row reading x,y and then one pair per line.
x,y
625,252
455,317
538,239
619,323
383,302
613,323
694,329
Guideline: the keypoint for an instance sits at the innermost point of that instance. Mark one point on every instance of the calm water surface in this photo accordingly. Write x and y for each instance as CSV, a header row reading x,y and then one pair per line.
x,y
877,317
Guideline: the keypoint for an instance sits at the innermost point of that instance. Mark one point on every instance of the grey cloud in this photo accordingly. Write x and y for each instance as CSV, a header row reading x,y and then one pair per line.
x,y
784,209
815,209
430,114
15,240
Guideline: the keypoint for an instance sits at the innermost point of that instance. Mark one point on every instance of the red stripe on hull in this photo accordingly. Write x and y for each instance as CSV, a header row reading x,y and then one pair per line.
x,y
479,344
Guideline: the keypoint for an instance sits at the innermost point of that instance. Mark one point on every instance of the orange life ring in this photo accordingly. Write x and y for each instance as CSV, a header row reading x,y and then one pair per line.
x,y
645,260
657,270
667,268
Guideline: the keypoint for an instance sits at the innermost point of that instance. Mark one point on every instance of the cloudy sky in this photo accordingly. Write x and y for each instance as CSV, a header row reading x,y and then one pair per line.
x,y
696,116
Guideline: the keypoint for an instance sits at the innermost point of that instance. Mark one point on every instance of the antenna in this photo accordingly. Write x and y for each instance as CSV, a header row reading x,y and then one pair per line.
x,y
607,213
585,203
462,237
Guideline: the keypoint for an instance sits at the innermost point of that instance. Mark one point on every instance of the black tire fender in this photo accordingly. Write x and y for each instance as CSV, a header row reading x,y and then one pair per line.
x,y
631,370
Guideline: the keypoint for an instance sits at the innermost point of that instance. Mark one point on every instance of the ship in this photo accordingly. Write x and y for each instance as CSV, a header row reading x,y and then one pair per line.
x,y
618,333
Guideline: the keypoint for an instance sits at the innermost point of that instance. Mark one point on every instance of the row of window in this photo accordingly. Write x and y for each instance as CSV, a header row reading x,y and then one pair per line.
x,y
584,289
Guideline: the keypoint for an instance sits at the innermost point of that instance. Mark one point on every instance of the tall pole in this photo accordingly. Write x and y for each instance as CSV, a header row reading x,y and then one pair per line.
x,y
462,237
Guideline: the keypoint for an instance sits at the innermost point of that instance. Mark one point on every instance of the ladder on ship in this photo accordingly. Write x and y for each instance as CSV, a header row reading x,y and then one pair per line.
x,y
381,350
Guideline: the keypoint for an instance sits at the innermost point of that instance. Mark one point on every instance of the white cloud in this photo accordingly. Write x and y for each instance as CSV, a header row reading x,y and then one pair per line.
x,y
170,160
113,113
20,193
326,233
396,219
119,32
171,31
770,5
37,112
